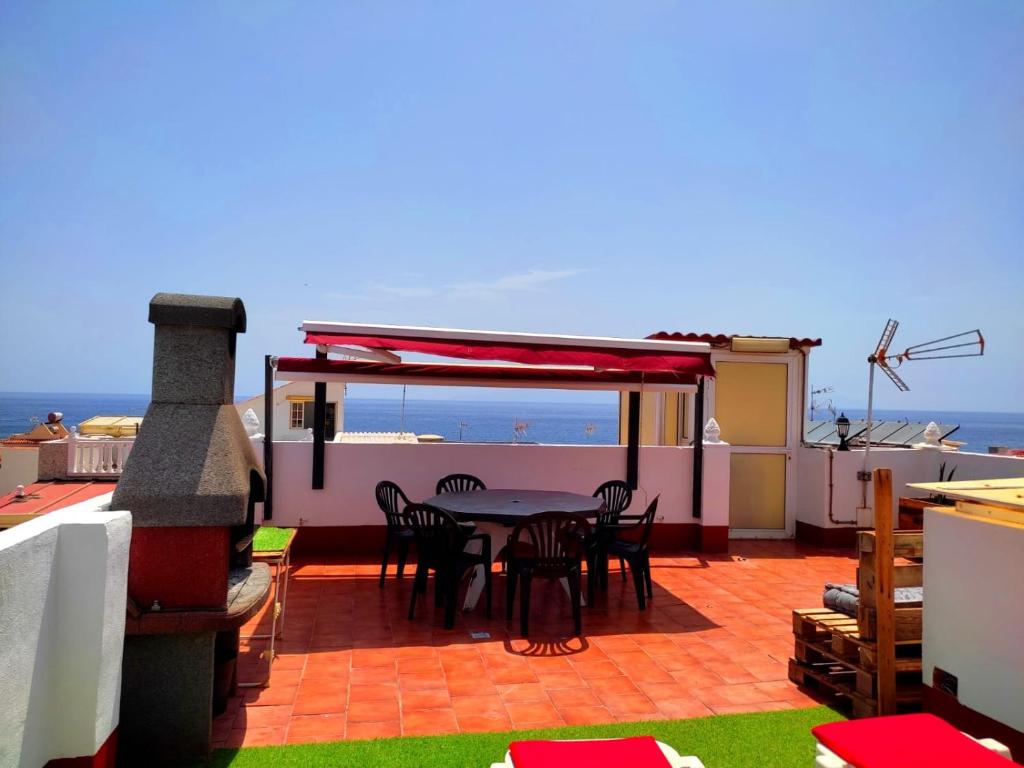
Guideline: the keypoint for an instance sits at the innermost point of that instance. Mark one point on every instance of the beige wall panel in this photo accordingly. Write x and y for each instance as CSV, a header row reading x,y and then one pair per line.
x,y
750,402
757,490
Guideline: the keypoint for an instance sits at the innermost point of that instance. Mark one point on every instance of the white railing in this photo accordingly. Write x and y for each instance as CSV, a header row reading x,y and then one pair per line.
x,y
97,457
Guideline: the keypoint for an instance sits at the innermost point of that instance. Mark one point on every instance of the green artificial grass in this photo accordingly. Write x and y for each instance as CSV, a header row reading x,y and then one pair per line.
x,y
269,539
761,739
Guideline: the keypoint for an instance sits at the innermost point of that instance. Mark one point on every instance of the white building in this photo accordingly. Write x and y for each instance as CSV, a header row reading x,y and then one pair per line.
x,y
293,410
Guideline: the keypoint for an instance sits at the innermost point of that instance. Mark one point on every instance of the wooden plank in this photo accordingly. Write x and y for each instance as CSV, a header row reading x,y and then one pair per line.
x,y
904,575
905,543
885,626
907,623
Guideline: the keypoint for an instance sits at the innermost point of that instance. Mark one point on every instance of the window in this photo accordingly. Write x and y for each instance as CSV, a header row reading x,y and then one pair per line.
x,y
295,415
301,417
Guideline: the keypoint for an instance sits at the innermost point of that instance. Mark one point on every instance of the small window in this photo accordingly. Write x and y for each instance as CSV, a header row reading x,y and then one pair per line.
x,y
295,415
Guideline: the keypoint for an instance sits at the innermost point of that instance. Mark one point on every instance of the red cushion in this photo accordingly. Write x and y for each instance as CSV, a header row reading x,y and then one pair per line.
x,y
905,741
636,752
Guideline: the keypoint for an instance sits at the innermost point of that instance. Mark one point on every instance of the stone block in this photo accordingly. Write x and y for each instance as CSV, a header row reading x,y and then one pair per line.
x,y
166,698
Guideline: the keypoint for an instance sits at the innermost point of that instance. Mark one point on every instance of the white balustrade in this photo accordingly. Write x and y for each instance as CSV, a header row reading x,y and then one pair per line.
x,y
97,457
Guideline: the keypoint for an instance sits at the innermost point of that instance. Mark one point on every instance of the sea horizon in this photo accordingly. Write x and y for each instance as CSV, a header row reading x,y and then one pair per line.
x,y
477,420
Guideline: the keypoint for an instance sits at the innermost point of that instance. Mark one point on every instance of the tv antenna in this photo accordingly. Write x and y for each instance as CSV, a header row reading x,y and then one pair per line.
x,y
966,344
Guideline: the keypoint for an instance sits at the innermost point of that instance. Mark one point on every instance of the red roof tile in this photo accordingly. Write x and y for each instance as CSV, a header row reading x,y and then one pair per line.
x,y
44,497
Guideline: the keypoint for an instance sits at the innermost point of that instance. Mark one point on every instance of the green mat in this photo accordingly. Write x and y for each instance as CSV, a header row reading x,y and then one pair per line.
x,y
759,740
269,539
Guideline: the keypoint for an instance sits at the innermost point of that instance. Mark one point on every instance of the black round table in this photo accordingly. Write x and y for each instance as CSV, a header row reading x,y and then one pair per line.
x,y
507,507
497,509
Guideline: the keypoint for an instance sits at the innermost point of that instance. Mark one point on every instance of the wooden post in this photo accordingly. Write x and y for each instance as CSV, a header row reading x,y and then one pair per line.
x,y
885,599
633,441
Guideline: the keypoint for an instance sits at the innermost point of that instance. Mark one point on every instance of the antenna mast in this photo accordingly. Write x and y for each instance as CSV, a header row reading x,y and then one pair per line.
x,y
966,344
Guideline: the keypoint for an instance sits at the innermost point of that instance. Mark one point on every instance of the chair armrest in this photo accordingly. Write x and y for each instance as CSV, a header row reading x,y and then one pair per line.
x,y
485,541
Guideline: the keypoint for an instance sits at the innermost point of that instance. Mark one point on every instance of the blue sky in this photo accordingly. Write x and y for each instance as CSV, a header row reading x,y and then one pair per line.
x,y
799,168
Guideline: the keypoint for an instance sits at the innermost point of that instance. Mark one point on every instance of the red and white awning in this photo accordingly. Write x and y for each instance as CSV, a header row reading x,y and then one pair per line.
x,y
538,360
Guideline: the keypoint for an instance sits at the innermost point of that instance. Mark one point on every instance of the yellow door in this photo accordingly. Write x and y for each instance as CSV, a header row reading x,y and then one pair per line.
x,y
751,406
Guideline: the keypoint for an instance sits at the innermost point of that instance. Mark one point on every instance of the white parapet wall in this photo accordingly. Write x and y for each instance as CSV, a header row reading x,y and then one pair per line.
x,y
63,586
352,471
908,465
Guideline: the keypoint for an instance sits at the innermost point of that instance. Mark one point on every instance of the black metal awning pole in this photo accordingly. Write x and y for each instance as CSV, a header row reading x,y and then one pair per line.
x,y
319,422
698,449
268,437
633,441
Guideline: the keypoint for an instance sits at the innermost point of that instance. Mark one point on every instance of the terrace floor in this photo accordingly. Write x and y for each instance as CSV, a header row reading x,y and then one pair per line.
x,y
715,639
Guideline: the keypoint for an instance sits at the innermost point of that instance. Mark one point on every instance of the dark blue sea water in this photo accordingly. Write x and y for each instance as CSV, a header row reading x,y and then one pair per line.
x,y
483,421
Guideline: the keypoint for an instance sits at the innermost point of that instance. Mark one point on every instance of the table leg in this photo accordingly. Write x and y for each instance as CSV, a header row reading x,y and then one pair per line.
x,y
497,535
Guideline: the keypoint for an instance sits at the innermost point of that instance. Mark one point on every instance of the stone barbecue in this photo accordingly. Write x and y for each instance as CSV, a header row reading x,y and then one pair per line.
x,y
192,483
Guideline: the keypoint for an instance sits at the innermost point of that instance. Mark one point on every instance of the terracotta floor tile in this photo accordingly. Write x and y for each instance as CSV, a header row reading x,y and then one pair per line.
x,y
619,686
275,694
511,675
373,675
478,706
373,692
591,670
573,697
678,709
312,728
482,724
260,717
426,722
426,699
256,737
380,730
471,687
320,703
555,680
373,711
523,692
534,713
418,681
585,715
628,704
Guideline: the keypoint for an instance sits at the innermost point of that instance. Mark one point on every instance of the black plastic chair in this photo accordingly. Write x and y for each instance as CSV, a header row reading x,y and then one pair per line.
x,y
440,546
459,484
548,545
617,497
391,501
630,543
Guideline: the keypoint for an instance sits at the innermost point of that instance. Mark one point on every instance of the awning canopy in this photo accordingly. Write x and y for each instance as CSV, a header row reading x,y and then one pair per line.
x,y
514,376
596,352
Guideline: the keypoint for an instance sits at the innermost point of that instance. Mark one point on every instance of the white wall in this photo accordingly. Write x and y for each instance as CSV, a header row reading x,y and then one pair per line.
x,y
63,582
18,466
974,614
352,471
335,394
908,465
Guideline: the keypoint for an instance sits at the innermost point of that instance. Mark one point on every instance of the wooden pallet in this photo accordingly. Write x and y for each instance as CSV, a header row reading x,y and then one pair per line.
x,y
842,682
830,652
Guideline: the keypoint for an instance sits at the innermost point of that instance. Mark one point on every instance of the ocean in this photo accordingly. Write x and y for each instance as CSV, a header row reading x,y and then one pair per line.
x,y
483,421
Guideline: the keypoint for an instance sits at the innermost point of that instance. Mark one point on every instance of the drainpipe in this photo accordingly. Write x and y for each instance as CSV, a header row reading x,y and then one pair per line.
x,y
831,486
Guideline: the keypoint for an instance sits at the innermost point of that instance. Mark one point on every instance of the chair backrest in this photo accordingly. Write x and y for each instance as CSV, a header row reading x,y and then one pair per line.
x,y
556,538
646,521
617,497
459,484
391,501
437,533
